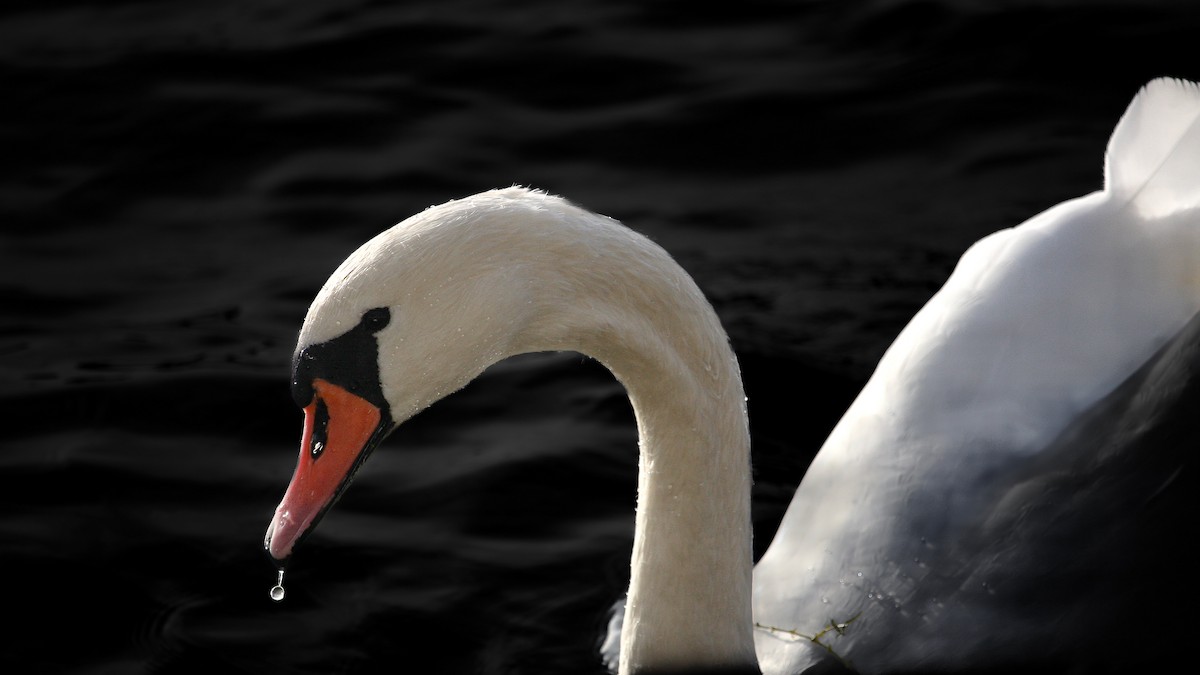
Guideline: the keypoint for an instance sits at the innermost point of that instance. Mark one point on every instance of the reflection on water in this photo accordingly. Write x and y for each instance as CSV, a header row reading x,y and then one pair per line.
x,y
182,180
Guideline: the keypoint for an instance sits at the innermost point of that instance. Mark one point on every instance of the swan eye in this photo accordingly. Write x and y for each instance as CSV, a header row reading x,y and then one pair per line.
x,y
377,319
320,431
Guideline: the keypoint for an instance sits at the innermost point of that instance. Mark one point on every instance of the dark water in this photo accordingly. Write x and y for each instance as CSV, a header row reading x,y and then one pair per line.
x,y
180,178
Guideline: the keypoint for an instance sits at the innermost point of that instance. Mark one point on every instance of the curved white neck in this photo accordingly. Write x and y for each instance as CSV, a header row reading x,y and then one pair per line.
x,y
689,600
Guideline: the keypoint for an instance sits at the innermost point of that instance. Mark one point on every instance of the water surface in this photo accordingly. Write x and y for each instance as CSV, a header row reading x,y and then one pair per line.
x,y
180,178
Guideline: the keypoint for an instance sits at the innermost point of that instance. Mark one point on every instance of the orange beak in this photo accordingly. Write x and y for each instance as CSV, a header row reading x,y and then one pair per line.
x,y
340,430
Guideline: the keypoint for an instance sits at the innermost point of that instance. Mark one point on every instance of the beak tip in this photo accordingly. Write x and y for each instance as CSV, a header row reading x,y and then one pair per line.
x,y
276,550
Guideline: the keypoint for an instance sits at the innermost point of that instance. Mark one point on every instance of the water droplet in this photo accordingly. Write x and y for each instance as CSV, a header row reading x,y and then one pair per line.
x,y
825,601
277,591
860,574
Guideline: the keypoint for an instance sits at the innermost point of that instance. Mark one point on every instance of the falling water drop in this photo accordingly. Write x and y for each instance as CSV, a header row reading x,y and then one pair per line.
x,y
277,591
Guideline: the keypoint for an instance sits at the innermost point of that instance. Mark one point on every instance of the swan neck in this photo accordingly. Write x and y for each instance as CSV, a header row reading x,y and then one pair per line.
x,y
689,601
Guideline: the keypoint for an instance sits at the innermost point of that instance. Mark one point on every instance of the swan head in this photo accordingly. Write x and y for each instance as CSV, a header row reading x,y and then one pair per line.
x,y
411,316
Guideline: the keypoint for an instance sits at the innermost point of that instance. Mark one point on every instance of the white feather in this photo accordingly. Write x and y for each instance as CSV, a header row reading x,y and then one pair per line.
x,y
1154,155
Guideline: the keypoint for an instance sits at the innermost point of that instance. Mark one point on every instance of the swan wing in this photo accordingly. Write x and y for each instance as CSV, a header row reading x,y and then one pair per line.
x,y
1100,513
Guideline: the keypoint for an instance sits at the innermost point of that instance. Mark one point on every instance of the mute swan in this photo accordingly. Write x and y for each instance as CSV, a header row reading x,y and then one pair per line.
x,y
959,514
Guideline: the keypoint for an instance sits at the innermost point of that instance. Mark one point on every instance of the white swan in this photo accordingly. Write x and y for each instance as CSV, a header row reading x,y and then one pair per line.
x,y
931,513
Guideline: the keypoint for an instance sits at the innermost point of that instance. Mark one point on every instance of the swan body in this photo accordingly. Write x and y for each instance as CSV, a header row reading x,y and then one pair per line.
x,y
1034,327
924,517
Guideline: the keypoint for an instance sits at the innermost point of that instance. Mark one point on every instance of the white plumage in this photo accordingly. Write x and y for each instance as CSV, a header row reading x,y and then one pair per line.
x,y
1034,326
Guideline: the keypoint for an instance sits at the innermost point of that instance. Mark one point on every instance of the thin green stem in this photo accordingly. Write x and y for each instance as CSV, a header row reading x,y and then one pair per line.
x,y
815,638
